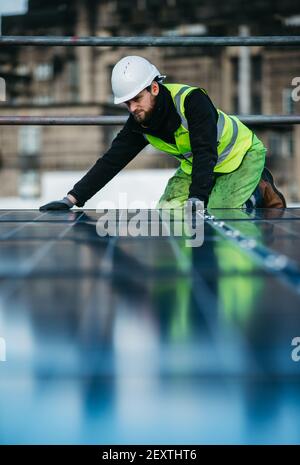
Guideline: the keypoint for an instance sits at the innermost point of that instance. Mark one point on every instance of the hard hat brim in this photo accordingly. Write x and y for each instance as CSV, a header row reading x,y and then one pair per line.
x,y
147,83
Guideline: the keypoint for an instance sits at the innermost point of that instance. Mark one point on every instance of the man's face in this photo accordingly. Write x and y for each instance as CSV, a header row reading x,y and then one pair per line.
x,y
142,105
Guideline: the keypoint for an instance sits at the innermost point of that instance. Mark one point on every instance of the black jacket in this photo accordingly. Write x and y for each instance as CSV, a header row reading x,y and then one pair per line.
x,y
202,120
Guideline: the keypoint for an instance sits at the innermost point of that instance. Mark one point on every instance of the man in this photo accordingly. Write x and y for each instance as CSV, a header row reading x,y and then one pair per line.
x,y
221,160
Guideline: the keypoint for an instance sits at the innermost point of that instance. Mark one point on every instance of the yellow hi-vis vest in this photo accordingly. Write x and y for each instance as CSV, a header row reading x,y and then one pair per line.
x,y
234,138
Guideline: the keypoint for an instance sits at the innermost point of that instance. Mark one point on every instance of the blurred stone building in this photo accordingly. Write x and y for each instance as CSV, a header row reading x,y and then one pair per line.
x,y
75,81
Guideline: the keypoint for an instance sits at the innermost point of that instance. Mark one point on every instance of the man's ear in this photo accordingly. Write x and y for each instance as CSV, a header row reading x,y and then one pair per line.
x,y
154,88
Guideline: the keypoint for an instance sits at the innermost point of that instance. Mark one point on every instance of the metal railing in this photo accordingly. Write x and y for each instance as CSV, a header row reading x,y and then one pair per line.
x,y
150,41
261,120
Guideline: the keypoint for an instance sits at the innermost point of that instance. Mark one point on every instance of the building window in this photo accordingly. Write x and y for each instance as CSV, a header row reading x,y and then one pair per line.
x,y
2,90
235,69
281,145
73,78
29,184
255,84
110,95
29,140
43,100
256,68
288,104
256,103
43,72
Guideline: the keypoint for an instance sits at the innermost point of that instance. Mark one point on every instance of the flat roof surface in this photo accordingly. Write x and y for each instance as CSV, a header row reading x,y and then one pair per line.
x,y
147,339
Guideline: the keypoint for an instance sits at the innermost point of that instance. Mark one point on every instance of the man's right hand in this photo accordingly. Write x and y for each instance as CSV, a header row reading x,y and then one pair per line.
x,y
64,204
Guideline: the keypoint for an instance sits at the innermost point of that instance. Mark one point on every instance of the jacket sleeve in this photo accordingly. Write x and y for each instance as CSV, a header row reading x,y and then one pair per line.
x,y
202,118
126,145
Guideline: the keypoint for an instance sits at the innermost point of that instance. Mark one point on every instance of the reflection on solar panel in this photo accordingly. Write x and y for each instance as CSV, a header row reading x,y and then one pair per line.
x,y
125,339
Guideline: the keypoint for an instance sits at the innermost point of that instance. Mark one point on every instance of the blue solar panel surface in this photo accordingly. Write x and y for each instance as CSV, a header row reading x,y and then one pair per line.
x,y
144,340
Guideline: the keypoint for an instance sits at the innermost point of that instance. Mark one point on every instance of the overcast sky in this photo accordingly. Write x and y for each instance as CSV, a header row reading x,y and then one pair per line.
x,y
12,6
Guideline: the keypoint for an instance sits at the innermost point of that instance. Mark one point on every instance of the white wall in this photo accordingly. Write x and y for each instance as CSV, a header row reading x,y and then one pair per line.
x,y
128,186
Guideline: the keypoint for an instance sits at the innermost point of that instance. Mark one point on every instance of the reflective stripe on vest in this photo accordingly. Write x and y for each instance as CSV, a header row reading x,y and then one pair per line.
x,y
227,149
234,138
220,127
177,104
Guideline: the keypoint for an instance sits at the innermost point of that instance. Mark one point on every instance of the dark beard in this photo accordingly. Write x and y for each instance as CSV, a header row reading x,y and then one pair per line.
x,y
157,114
162,117
147,119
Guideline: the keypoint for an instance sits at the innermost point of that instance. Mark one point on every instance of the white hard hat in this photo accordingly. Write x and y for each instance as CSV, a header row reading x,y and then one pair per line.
x,y
130,76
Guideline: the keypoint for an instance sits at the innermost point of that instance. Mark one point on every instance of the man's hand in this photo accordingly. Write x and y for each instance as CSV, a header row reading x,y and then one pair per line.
x,y
65,204
194,204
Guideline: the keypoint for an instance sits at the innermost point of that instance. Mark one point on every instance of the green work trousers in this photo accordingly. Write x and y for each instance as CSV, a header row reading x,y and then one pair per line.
x,y
231,190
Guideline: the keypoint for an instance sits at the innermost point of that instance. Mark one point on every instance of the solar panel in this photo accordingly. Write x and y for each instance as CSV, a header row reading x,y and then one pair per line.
x,y
145,339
